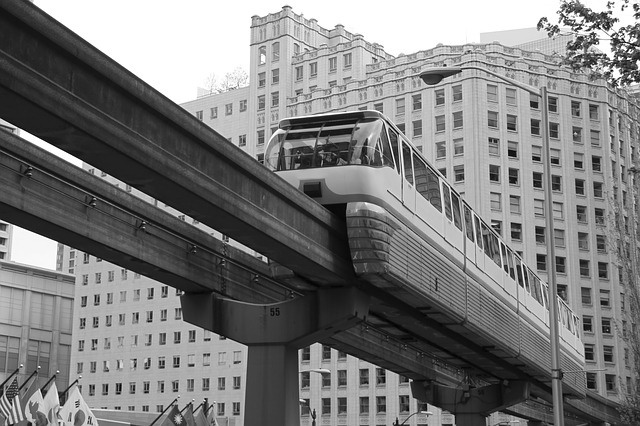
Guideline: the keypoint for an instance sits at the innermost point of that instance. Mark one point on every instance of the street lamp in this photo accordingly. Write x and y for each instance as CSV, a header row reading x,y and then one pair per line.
x,y
434,76
427,413
303,402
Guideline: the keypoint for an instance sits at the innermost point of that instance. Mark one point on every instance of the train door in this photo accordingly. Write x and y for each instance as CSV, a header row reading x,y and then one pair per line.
x,y
408,183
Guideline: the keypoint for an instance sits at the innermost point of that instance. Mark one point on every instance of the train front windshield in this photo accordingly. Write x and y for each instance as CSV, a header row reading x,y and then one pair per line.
x,y
312,145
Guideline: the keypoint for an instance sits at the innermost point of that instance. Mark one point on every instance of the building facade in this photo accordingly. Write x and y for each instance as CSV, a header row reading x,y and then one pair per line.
x,y
36,307
480,132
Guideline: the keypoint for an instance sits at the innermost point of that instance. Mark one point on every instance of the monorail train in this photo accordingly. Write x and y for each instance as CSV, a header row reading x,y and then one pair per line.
x,y
408,227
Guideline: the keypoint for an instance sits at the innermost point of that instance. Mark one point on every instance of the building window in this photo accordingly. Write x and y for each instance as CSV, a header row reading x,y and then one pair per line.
x,y
512,123
494,146
516,231
494,173
575,109
492,119
439,96
585,294
584,268
381,376
553,104
457,120
537,180
456,93
535,127
458,146
496,203
593,112
417,128
313,69
514,176
440,123
364,377
416,102
511,96
458,173
347,60
492,93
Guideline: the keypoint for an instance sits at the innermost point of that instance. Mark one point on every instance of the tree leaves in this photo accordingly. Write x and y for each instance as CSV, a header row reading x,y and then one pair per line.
x,y
591,28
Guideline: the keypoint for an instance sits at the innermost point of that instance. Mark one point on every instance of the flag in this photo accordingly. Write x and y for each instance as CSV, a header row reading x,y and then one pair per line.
x,y
51,405
33,405
201,418
174,418
188,416
76,412
10,404
211,415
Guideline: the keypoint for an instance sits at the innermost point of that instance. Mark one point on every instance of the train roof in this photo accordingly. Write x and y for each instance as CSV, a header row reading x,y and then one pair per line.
x,y
332,116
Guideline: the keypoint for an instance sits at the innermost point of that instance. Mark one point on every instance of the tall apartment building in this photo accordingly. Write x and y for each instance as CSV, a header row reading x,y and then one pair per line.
x,y
484,134
35,322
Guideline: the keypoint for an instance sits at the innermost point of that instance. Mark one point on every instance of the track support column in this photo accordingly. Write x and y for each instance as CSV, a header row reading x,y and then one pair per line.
x,y
274,333
471,406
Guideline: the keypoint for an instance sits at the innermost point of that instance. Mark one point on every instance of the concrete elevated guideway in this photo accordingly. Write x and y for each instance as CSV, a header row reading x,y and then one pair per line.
x,y
56,86
45,194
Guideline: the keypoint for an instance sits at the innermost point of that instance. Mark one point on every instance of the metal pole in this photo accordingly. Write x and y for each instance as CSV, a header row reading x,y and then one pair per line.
x,y
556,370
164,411
29,378
10,376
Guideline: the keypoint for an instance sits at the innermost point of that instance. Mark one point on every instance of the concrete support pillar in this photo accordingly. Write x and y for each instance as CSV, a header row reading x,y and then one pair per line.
x,y
274,333
471,406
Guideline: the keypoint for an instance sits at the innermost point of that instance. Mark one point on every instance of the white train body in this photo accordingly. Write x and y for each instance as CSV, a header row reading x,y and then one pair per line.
x,y
409,229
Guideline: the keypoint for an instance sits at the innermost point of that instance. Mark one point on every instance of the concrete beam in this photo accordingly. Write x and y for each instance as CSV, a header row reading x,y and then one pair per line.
x,y
58,87
274,333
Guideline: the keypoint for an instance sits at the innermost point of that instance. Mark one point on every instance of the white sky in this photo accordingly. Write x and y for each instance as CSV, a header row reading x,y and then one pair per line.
x,y
174,45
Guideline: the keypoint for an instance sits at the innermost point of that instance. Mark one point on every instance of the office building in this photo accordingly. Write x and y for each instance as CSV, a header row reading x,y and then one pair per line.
x,y
480,132
36,307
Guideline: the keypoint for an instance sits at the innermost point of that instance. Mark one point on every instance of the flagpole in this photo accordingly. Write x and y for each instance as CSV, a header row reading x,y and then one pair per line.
x,y
185,407
64,392
29,378
196,409
10,376
49,381
164,411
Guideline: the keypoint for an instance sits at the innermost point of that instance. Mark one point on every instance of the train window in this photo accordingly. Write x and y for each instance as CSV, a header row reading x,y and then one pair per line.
x,y
486,239
468,222
457,218
536,290
512,272
406,160
334,142
427,182
393,139
447,201
478,232
527,275
366,144
520,272
495,249
545,295
505,264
